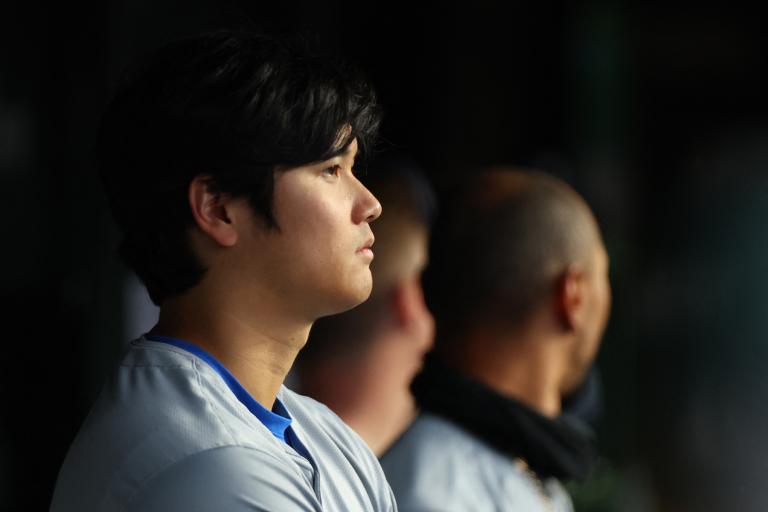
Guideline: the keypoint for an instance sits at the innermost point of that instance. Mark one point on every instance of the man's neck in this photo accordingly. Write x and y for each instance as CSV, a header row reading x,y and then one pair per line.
x,y
257,346
377,407
526,369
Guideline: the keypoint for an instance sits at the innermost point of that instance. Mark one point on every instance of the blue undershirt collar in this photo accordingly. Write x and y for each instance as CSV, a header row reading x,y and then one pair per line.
x,y
277,420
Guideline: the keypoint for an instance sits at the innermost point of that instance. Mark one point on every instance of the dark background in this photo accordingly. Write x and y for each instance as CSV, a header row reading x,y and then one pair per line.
x,y
655,113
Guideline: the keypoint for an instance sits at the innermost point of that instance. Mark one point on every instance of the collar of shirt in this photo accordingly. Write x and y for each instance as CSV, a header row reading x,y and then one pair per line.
x,y
277,420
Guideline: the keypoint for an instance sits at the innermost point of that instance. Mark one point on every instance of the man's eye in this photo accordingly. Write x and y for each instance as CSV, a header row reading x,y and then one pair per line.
x,y
332,170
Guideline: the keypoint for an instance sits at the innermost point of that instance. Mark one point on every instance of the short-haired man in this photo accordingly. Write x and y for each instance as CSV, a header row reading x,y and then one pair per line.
x,y
360,363
228,162
518,284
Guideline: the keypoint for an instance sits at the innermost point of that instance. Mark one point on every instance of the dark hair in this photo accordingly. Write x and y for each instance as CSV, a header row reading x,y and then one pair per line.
x,y
232,106
500,242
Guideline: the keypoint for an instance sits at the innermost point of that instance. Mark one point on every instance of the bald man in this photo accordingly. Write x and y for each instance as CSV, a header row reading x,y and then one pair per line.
x,y
519,288
360,363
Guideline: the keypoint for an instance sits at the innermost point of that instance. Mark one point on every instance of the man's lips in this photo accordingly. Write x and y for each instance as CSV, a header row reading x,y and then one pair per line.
x,y
366,248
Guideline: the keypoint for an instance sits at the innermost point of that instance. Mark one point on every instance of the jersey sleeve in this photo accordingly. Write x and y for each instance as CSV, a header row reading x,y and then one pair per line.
x,y
232,479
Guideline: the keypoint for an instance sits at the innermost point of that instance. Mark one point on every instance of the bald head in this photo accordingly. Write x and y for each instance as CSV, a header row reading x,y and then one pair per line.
x,y
501,245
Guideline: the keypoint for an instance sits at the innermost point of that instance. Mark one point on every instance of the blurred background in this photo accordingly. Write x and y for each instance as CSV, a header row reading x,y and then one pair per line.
x,y
656,113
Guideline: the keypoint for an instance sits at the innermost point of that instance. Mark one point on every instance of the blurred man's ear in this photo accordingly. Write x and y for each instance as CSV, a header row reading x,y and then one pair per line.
x,y
404,303
410,310
570,297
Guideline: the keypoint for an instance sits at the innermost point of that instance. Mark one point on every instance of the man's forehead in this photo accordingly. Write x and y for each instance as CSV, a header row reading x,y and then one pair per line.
x,y
348,151
351,149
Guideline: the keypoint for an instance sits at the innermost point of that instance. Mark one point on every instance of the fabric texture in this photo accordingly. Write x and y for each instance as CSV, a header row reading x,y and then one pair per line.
x,y
167,433
465,451
437,466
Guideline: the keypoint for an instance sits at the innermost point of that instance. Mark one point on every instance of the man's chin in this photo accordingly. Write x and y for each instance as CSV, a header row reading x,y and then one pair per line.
x,y
360,296
349,300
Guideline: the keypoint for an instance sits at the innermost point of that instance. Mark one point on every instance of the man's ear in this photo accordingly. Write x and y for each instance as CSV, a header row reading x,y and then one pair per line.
x,y
570,297
209,209
403,302
410,310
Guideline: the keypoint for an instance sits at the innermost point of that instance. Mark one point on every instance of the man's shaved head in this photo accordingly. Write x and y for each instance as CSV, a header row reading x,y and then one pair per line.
x,y
501,245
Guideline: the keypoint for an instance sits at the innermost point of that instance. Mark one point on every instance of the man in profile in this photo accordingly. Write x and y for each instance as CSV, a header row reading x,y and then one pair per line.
x,y
360,363
518,284
228,162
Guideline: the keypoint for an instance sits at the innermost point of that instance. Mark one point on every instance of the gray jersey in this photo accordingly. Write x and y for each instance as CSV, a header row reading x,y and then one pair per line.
x,y
437,466
167,434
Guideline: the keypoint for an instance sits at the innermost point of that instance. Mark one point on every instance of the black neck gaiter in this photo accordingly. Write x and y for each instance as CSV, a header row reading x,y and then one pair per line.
x,y
562,448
